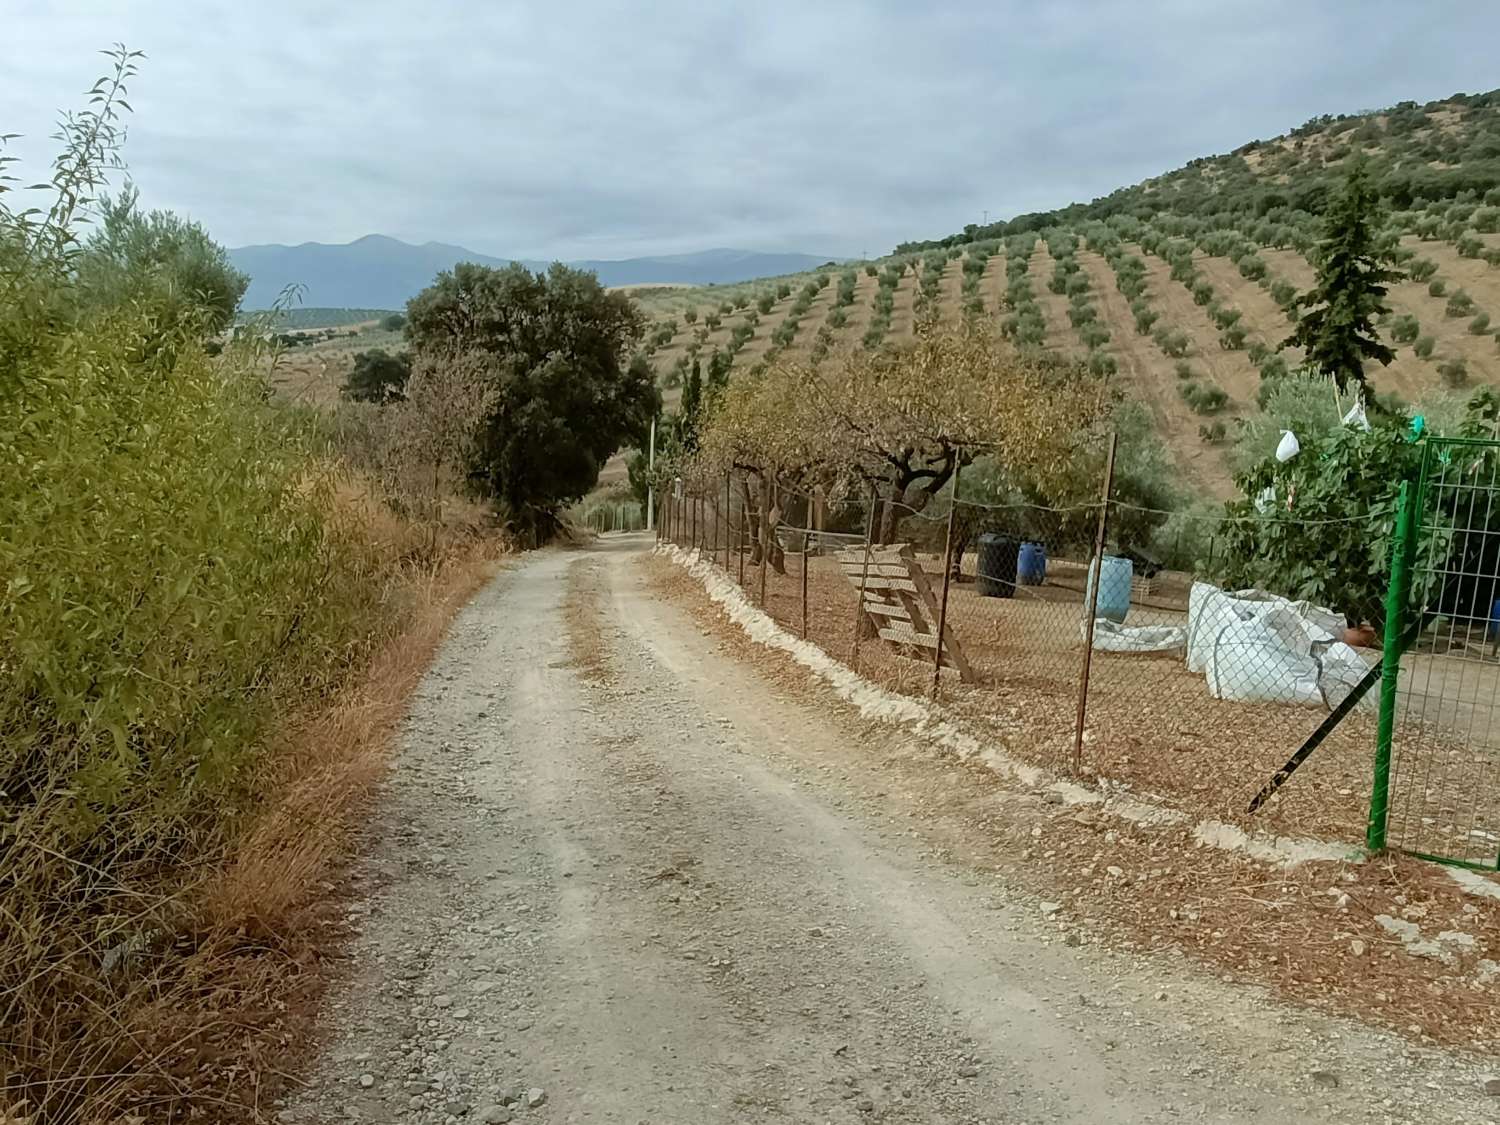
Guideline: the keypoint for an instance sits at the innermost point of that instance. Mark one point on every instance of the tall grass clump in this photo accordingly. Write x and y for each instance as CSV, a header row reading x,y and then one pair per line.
x,y
181,570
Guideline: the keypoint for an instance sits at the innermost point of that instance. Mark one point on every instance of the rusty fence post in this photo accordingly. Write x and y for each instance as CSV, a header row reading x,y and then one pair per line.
x,y
864,576
740,545
767,533
728,520
806,559
1097,568
942,621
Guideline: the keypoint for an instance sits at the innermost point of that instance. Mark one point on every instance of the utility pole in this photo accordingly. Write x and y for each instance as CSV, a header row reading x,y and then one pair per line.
x,y
651,492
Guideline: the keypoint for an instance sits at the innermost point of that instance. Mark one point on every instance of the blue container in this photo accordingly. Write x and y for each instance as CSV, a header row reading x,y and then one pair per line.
x,y
1495,619
1114,588
1031,564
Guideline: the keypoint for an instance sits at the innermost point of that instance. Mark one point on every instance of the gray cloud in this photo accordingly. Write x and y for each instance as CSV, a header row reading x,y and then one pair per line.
x,y
581,128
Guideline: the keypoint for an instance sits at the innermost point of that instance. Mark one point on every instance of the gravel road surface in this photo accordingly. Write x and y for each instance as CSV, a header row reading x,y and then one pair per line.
x,y
617,875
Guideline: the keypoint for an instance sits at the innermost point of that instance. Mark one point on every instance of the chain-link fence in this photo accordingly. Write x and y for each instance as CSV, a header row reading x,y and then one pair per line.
x,y
1077,649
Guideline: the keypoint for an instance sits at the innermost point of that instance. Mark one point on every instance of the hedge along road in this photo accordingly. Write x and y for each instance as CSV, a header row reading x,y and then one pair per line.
x,y
621,874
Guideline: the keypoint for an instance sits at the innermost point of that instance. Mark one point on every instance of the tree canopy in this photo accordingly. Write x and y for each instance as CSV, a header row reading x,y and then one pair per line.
x,y
378,376
565,399
1336,328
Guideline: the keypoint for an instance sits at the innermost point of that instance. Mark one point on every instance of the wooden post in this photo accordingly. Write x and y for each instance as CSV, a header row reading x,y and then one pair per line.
x,y
942,620
864,576
766,532
728,519
740,543
1093,603
806,558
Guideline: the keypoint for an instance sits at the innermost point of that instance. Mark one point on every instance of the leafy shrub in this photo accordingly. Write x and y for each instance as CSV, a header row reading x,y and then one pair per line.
x,y
1203,292
1283,292
783,291
1093,335
1257,351
1459,304
1469,247
394,323
1232,339
1184,369
1405,328
1213,433
872,271
765,302
1422,269
1437,287
713,320
1173,343
1424,346
1102,363
1202,399
838,318
690,316
1454,372
1480,325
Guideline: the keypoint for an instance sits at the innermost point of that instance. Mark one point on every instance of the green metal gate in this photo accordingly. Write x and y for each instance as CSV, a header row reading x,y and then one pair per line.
x,y
1437,773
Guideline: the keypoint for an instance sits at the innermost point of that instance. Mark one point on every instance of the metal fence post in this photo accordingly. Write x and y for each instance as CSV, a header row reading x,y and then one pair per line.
x,y
1397,595
942,621
1093,603
766,534
806,556
740,545
728,519
864,576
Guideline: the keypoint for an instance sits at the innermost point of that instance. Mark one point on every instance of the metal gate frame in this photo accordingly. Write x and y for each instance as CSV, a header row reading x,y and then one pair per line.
x,y
1420,524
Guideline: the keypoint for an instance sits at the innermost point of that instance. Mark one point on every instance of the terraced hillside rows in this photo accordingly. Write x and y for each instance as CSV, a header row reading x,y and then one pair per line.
x,y
1183,287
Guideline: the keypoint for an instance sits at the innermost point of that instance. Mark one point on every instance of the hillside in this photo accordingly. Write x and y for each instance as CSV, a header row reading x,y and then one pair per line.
x,y
1180,285
377,272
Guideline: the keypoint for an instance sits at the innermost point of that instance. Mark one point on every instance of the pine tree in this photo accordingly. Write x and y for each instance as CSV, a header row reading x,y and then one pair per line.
x,y
1336,329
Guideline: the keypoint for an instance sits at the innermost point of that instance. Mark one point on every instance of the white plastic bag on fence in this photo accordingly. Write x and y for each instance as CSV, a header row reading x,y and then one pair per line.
x,y
1109,637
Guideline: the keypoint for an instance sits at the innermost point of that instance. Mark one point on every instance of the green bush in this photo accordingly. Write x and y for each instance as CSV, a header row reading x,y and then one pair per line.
x,y
1184,369
1454,372
1459,304
1202,399
1405,328
1437,287
1424,346
872,271
1480,325
1102,363
1173,343
1213,433
765,302
1283,292
1232,339
690,316
1422,269
1469,247
1203,292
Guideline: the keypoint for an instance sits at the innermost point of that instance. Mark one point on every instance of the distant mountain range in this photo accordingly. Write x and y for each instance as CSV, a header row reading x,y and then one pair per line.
x,y
384,273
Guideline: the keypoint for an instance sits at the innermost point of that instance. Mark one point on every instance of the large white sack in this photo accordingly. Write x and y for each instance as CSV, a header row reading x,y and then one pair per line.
x,y
1267,657
1211,609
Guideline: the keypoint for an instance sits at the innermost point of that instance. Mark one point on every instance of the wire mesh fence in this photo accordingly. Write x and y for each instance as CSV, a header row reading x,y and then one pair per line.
x,y
1076,650
1444,743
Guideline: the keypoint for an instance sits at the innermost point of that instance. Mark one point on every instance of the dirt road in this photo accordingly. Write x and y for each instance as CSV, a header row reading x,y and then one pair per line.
x,y
619,871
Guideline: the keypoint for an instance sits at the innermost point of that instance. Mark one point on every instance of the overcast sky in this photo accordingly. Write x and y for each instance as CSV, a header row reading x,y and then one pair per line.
x,y
587,128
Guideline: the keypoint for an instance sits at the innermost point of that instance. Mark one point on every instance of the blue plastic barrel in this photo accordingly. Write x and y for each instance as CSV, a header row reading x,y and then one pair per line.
x,y
1495,619
1031,564
1114,588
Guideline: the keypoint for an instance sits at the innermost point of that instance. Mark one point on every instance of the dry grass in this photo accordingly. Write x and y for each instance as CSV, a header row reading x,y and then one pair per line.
x,y
582,614
199,1001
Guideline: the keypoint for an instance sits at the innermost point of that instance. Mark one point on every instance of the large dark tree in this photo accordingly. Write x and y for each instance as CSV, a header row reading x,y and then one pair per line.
x,y
378,376
566,400
1336,328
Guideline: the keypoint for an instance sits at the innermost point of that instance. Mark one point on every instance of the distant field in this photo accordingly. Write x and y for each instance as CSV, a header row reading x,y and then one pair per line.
x,y
293,319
